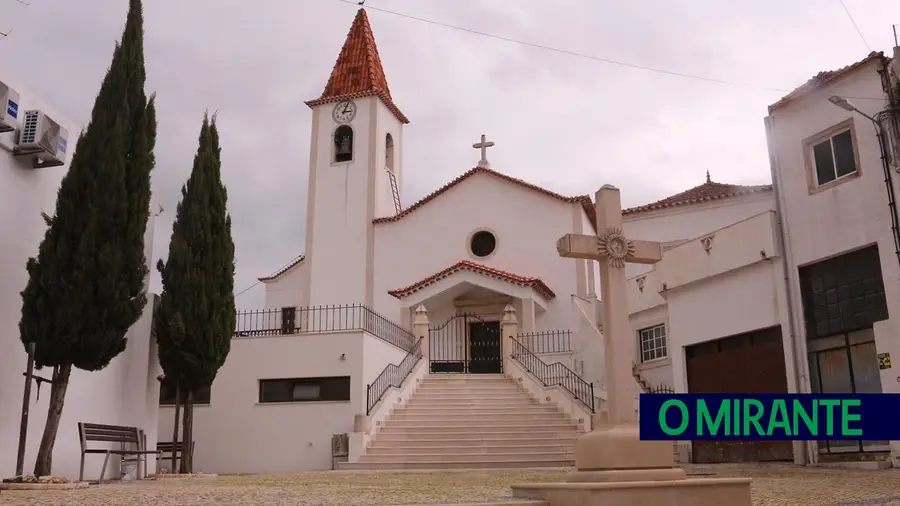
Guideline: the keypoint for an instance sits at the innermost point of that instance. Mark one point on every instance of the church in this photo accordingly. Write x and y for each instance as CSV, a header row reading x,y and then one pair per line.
x,y
385,345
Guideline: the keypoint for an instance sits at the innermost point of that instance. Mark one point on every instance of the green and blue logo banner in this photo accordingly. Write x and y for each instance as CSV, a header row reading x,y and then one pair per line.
x,y
736,417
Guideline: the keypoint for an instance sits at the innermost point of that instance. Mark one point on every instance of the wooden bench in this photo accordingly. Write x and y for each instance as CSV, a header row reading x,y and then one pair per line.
x,y
171,449
131,443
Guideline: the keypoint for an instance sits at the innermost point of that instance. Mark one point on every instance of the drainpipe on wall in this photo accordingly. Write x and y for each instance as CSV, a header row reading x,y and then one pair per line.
x,y
889,115
808,452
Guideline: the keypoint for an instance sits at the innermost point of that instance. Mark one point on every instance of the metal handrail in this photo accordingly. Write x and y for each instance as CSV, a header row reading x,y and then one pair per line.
x,y
392,376
547,341
555,374
304,320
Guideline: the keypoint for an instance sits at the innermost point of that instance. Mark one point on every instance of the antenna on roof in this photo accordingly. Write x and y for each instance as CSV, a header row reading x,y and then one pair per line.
x,y
896,40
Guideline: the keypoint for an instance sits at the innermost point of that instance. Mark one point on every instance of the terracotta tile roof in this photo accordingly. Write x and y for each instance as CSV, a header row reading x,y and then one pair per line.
x,y
706,192
284,269
358,71
824,77
583,199
465,265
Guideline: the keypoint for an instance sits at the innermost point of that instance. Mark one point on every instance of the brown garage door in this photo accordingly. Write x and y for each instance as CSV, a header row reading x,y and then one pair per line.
x,y
751,363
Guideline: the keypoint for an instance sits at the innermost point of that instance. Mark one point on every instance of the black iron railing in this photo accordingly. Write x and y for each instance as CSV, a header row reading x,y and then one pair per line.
x,y
661,389
305,320
555,374
392,376
547,341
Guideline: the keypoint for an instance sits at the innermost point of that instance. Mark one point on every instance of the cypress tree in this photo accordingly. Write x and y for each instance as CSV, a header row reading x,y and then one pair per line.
x,y
196,315
87,284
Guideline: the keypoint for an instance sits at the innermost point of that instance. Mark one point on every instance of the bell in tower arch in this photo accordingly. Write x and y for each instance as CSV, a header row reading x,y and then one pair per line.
x,y
343,144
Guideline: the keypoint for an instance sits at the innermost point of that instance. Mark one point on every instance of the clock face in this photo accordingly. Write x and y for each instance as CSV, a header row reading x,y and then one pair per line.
x,y
344,112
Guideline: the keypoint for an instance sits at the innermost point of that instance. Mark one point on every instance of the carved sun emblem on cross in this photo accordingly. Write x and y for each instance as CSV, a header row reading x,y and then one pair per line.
x,y
615,247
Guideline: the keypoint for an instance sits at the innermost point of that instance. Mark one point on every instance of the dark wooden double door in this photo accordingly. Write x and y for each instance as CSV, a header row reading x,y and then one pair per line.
x,y
466,345
751,363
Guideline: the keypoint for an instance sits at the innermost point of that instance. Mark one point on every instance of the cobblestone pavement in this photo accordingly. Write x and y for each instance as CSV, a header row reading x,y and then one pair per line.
x,y
773,485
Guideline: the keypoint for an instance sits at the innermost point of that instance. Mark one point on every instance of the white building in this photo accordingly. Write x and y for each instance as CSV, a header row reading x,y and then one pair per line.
x,y
837,195
340,314
124,393
722,312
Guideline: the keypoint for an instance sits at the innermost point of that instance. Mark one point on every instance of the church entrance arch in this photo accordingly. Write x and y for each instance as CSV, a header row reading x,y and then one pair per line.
x,y
465,344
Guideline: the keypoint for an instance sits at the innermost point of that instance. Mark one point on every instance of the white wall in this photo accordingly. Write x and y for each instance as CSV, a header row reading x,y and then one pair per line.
x,y
690,222
733,303
436,236
289,288
237,434
340,214
659,371
387,123
119,393
849,215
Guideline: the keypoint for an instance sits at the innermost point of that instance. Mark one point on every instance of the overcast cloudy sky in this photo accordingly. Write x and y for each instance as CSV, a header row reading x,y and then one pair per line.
x,y
568,123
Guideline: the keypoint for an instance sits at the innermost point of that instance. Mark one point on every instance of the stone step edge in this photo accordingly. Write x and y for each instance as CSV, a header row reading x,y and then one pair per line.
x,y
499,450
494,439
504,424
514,502
453,466
504,457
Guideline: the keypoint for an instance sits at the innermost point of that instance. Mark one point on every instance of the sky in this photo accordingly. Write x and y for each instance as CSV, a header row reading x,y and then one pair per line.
x,y
568,123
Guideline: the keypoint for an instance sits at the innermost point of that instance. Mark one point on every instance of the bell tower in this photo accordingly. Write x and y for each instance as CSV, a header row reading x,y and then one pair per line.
x,y
355,171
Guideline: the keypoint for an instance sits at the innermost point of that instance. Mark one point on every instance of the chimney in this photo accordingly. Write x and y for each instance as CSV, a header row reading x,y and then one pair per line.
x,y
895,62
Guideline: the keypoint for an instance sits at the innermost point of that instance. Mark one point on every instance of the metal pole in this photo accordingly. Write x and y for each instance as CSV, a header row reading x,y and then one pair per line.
x,y
26,402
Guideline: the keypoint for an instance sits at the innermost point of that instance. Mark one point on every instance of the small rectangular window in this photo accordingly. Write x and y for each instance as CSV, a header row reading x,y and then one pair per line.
x,y
288,320
304,389
653,343
834,158
167,394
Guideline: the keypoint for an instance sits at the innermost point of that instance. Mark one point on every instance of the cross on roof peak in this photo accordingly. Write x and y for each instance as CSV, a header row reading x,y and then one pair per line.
x,y
483,145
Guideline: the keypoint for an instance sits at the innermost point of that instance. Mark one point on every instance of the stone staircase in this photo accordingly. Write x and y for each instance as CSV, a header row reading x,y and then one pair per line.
x,y
458,421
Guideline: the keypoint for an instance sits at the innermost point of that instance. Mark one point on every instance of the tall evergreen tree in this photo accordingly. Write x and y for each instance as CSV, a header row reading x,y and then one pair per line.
x,y
87,284
196,315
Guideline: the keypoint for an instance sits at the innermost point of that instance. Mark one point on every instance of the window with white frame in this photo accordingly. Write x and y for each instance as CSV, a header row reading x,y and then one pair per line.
x,y
653,343
833,158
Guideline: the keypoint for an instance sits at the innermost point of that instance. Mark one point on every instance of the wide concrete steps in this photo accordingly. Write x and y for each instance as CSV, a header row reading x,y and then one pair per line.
x,y
471,422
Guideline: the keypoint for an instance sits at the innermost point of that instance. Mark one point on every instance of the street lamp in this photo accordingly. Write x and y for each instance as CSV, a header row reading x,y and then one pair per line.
x,y
847,106
885,163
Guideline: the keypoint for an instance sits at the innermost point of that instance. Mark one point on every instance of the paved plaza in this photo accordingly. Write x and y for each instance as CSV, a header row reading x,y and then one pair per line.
x,y
773,485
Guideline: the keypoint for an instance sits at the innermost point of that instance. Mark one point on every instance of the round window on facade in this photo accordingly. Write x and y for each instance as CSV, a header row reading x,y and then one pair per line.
x,y
483,243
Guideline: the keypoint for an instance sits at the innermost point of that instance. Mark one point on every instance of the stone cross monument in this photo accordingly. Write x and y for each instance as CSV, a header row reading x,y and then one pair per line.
x,y
617,447
483,145
614,467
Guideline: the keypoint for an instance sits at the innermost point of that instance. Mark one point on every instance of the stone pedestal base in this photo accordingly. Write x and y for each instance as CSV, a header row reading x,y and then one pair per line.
x,y
699,492
616,468
620,448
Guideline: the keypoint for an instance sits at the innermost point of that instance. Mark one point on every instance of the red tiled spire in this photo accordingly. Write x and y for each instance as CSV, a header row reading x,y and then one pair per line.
x,y
358,72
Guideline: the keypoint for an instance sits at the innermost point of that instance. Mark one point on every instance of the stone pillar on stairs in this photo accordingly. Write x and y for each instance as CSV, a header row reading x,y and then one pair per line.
x,y
420,328
509,327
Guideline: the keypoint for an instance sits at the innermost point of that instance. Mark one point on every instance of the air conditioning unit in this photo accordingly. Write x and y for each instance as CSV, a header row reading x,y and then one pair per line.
x,y
9,108
43,136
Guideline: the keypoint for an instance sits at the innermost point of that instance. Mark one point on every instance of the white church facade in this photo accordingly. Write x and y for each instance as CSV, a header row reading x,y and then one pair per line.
x,y
715,315
385,345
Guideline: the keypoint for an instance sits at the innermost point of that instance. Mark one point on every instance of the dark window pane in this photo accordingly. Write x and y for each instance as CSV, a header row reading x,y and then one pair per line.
x,y
843,153
483,243
305,389
837,293
824,162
